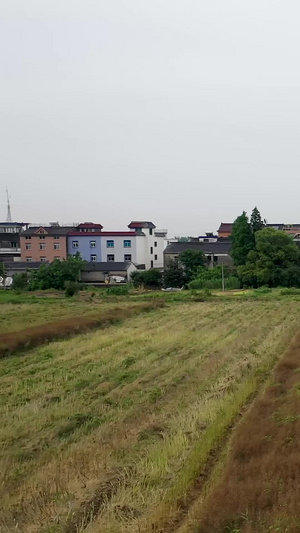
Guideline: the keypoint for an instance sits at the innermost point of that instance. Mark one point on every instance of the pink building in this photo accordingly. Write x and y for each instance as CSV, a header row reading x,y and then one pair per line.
x,y
44,243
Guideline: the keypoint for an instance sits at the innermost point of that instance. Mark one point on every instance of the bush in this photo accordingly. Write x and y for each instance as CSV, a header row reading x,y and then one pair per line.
x,y
232,283
212,279
71,288
290,292
120,290
202,296
20,281
152,279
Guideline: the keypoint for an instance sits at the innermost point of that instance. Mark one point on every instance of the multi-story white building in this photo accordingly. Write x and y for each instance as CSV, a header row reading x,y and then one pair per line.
x,y
143,244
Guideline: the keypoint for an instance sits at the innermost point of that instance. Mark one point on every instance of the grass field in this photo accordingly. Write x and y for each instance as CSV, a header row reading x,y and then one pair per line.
x,y
18,311
108,431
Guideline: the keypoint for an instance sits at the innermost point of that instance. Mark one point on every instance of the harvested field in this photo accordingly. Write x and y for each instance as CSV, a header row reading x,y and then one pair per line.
x,y
18,312
260,489
36,335
109,430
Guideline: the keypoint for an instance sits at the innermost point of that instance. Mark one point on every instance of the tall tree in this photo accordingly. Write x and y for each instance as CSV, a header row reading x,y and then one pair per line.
x,y
174,275
274,261
256,221
192,261
242,239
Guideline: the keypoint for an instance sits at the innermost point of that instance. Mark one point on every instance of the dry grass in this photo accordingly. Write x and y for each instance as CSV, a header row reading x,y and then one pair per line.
x,y
107,431
260,489
43,333
19,311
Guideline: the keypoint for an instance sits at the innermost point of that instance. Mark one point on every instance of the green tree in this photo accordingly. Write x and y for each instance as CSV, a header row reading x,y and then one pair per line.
x,y
56,274
242,239
192,261
151,278
256,221
174,275
137,279
20,281
274,261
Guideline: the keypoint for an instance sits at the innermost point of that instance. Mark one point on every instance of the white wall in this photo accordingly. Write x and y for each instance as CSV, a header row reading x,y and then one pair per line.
x,y
118,250
140,248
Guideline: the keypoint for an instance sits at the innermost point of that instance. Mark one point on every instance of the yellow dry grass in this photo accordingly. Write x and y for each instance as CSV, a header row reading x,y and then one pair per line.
x,y
31,310
107,431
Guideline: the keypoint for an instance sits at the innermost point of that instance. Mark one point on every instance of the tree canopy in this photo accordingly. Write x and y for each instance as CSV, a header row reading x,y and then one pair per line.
x,y
256,221
56,274
174,275
242,239
273,262
191,261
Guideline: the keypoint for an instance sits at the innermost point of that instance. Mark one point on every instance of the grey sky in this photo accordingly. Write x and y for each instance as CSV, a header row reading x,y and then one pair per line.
x,y
181,112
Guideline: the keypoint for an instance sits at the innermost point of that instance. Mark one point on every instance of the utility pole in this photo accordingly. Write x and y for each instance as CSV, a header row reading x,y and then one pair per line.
x,y
223,280
8,217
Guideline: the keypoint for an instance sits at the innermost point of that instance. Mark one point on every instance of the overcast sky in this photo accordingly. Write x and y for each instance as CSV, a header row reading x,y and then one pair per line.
x,y
180,112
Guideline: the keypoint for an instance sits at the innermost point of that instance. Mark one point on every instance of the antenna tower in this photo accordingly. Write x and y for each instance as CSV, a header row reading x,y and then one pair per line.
x,y
8,216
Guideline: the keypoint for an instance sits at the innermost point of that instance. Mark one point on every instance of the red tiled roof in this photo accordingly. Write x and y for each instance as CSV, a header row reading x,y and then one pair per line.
x,y
225,226
90,225
141,224
102,234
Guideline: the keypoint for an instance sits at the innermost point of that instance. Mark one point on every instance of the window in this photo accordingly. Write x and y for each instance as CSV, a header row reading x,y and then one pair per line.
x,y
155,244
110,258
151,231
43,246
151,250
110,244
42,237
43,259
155,258
74,244
57,257
93,244
28,246
127,257
56,237
151,264
56,246
27,237
127,244
93,258
28,259
14,245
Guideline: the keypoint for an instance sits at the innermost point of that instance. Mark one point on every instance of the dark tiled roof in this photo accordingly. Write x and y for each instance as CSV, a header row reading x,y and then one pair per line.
x,y
221,247
51,230
110,266
276,226
24,265
12,224
141,224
